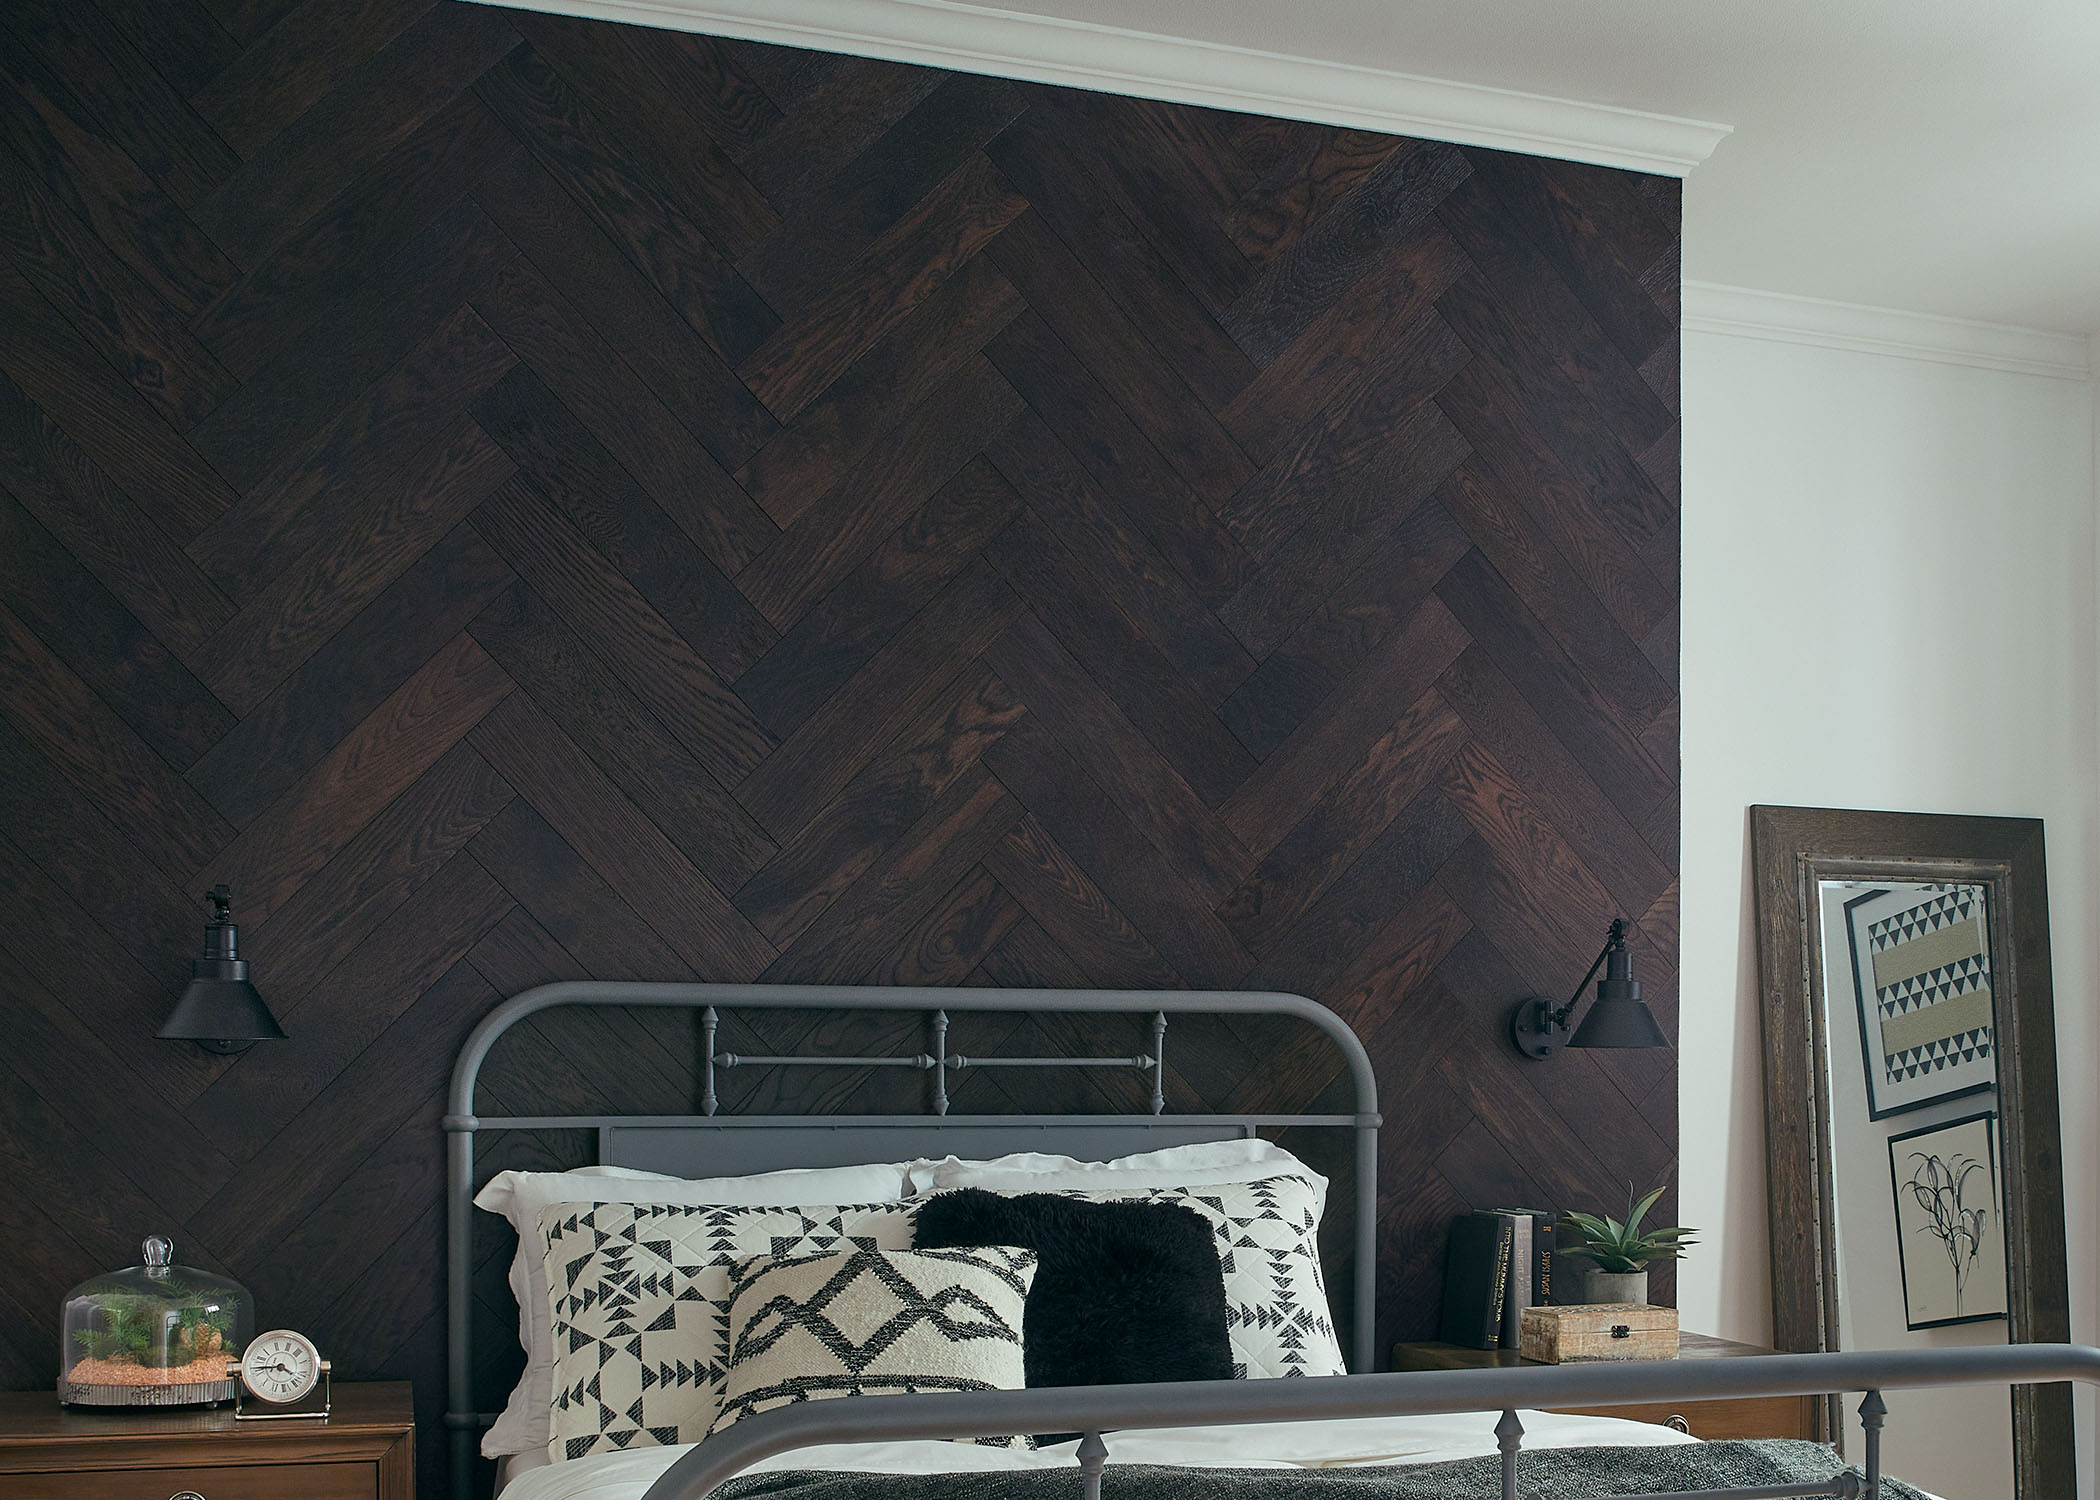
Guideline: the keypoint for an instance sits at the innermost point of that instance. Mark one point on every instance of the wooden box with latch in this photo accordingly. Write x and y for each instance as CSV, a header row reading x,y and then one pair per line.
x,y
1583,1332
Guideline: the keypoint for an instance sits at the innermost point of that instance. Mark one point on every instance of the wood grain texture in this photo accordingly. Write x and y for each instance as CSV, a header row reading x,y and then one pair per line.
x,y
527,498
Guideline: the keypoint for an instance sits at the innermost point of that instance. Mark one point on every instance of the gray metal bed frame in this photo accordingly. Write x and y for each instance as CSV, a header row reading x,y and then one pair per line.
x,y
710,1144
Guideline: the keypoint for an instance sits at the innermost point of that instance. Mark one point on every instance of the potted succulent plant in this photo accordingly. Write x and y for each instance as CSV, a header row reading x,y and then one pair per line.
x,y
1620,1252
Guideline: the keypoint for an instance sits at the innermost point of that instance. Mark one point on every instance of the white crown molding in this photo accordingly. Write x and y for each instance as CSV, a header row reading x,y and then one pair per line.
x,y
1742,312
1047,49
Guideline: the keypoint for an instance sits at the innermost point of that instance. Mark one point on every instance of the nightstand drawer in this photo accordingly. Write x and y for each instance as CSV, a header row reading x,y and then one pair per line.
x,y
1742,1417
307,1481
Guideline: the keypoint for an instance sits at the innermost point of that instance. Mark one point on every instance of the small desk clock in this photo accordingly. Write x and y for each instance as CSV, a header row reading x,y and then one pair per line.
x,y
283,1371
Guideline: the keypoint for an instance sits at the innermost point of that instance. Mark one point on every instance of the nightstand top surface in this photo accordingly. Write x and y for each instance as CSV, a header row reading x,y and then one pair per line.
x,y
1429,1355
357,1406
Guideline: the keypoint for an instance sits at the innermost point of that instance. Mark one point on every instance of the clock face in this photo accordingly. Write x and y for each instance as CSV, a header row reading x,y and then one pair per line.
x,y
280,1366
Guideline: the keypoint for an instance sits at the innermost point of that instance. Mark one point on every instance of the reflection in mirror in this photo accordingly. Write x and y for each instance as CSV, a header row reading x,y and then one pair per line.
x,y
1916,1191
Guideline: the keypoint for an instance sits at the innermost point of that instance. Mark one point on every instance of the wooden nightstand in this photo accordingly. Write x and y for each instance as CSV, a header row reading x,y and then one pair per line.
x,y
1745,1417
364,1451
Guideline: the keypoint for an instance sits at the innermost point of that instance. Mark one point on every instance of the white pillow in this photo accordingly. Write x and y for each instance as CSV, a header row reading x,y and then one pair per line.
x,y
1250,1159
519,1197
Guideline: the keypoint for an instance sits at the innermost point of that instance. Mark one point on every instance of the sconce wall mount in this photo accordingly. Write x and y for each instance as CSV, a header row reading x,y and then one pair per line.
x,y
220,1010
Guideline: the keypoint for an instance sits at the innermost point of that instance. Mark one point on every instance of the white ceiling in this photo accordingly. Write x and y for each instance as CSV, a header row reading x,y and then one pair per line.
x,y
1936,155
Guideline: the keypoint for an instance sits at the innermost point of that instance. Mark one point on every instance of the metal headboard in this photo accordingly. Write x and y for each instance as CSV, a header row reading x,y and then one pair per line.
x,y
712,1144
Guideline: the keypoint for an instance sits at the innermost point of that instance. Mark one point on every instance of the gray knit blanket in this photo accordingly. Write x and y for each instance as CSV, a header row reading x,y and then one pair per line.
x,y
1542,1474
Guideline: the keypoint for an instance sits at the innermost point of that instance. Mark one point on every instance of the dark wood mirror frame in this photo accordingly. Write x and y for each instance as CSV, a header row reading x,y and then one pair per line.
x,y
1793,850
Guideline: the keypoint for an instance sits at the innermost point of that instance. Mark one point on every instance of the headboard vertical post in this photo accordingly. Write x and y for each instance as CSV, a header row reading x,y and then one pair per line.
x,y
1363,1336
462,1429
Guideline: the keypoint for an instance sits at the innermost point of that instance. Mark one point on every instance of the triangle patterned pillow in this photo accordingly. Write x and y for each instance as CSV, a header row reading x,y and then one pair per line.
x,y
639,1305
1276,1314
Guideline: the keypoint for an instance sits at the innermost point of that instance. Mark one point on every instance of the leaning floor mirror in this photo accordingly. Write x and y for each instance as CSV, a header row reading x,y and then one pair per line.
x,y
1915,1180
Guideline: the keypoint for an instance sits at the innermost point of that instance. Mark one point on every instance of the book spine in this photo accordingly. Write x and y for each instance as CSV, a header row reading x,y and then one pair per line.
x,y
1491,1325
1542,1240
1521,1268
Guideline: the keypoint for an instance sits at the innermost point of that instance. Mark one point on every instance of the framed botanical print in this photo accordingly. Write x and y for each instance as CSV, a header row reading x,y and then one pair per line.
x,y
1950,1235
1921,979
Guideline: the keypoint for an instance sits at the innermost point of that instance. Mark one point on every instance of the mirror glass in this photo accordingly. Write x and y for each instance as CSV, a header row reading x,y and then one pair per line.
x,y
1916,1165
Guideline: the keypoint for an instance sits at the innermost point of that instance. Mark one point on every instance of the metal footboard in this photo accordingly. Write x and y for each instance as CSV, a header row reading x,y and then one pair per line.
x,y
1098,1411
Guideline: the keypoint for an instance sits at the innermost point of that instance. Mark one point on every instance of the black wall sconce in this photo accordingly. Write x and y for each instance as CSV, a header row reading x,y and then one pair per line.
x,y
1620,1018
220,1011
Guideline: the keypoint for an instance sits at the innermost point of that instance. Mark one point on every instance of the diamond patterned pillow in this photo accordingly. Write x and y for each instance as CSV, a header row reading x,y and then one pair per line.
x,y
1276,1313
875,1322
639,1296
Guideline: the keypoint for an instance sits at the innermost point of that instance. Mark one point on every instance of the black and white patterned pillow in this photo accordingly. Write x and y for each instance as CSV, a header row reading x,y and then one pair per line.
x,y
639,1296
1276,1313
874,1323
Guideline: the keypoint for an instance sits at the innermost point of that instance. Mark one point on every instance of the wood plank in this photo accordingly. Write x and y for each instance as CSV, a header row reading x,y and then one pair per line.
x,y
925,450
834,434
849,104
186,43
658,232
1376,469
395,855
384,755
327,490
1350,813
643,104
288,733
1153,691
1088,321
886,909
1557,691
278,417
1068,906
619,734
1086,723
831,228
616,299
961,932
590,379
314,598
1288,783
106,762
552,555
1319,655
106,302
1075,406
842,632
1119,559
63,148
1342,245
888,793
293,66
99,411
1352,338
562,461
334,256
903,267
373,108
1040,160
88,629
1320,170
110,536
813,764
1073,810
530,752
571,901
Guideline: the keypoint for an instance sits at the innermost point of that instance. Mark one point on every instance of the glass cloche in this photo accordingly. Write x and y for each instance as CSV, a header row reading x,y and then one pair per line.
x,y
156,1334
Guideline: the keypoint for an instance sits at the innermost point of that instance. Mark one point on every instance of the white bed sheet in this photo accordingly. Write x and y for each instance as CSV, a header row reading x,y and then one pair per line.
x,y
1368,1440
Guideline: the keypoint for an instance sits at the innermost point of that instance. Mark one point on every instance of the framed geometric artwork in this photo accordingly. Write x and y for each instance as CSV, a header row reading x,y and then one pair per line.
x,y
1921,977
1949,1235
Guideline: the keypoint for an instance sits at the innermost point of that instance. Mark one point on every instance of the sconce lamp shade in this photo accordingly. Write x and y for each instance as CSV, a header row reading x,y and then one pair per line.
x,y
1617,1018
220,1010
1620,1017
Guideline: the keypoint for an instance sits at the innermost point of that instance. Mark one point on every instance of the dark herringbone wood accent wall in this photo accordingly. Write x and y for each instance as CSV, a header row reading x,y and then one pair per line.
x,y
524,498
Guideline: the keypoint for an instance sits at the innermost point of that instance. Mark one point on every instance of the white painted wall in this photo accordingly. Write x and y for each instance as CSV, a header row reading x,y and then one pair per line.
x,y
1889,602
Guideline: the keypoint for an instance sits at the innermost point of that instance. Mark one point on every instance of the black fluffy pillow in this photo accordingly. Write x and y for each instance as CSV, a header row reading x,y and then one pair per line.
x,y
1123,1291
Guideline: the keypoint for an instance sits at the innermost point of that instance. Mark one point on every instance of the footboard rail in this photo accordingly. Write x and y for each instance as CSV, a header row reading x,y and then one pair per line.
x,y
1098,1411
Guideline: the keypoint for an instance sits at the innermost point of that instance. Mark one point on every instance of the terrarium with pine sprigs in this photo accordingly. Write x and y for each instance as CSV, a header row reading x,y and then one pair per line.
x,y
156,1334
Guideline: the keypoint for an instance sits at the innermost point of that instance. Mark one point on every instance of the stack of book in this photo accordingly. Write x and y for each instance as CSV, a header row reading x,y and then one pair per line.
x,y
1500,1262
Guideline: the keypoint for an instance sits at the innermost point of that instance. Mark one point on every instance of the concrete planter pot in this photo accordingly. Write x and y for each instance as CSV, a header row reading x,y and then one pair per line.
x,y
1615,1286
